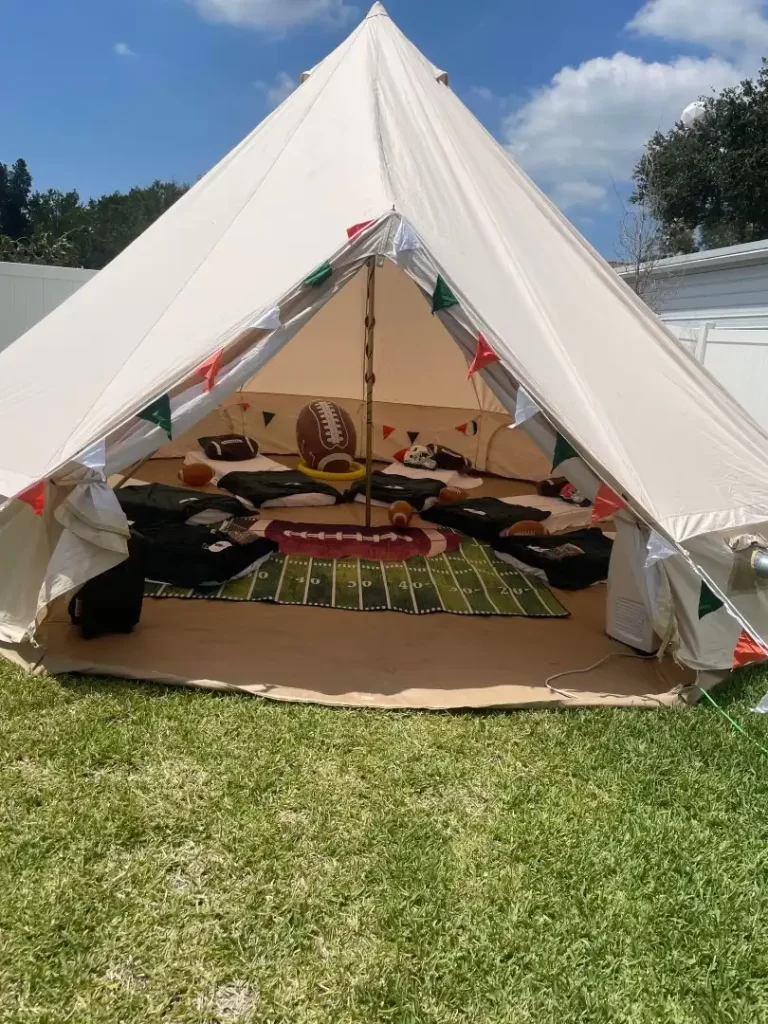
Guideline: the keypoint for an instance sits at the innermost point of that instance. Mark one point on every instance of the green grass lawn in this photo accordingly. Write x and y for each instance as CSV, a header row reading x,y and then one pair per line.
x,y
179,856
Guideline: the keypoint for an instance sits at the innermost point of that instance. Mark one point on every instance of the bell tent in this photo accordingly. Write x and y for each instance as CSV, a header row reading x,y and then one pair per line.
x,y
255,294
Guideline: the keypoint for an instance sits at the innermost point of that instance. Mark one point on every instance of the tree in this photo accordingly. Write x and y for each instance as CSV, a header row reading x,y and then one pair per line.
x,y
41,248
644,240
115,220
15,190
708,180
100,229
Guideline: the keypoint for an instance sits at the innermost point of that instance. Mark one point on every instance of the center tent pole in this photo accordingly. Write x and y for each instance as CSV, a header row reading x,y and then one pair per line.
x,y
370,380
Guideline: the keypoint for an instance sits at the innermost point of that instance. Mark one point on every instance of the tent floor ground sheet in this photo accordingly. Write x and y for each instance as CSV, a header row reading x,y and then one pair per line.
x,y
470,581
376,660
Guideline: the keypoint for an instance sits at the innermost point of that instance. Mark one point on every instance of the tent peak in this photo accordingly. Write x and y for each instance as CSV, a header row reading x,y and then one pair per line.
x,y
377,10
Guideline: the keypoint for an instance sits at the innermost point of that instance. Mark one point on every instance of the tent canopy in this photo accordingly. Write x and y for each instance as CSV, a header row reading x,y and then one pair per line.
x,y
370,132
242,264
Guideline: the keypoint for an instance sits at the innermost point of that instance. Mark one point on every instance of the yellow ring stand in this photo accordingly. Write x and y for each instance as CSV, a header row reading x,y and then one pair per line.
x,y
354,474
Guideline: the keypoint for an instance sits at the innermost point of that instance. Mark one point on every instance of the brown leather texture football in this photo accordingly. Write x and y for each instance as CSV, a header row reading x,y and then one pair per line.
x,y
326,437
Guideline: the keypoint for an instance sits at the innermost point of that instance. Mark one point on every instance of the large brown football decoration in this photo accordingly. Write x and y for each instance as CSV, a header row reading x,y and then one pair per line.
x,y
326,437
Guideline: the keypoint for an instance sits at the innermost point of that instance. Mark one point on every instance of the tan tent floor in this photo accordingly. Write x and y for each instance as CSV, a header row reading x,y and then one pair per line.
x,y
372,659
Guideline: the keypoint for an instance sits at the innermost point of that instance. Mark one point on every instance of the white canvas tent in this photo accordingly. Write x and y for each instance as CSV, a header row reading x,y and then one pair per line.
x,y
374,136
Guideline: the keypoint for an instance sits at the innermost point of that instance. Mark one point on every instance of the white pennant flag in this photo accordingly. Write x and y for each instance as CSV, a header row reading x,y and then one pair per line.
x,y
657,550
94,457
526,408
406,239
268,321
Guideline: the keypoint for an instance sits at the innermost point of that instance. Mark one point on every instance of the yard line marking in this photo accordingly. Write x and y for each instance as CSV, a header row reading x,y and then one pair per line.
x,y
359,587
386,585
306,585
333,583
437,589
482,584
410,584
459,588
276,598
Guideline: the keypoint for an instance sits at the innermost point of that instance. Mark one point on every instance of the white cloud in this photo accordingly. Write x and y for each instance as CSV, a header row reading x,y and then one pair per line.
x,y
481,92
279,89
584,131
721,25
124,50
275,15
590,122
579,193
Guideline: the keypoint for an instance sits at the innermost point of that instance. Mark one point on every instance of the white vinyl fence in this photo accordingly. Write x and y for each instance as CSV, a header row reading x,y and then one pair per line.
x,y
29,293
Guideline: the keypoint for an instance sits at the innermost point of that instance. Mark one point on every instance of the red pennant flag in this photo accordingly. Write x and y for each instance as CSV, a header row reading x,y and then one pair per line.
x,y
606,503
463,428
748,651
357,228
484,356
210,369
387,431
34,496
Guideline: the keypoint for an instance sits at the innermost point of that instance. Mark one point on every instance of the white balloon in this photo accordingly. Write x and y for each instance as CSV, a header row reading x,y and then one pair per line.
x,y
693,112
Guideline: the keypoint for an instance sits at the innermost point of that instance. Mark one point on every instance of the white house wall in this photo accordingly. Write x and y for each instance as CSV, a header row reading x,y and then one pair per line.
x,y
29,293
735,295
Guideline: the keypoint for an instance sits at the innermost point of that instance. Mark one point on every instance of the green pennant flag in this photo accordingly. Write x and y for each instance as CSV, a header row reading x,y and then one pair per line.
x,y
319,276
563,451
708,602
268,417
443,297
159,414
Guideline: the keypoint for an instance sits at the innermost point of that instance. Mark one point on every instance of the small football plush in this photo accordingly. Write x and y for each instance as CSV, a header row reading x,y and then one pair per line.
x,y
525,528
326,437
401,514
449,494
197,474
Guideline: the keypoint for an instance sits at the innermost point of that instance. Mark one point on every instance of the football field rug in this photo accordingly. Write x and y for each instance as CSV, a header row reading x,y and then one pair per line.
x,y
468,581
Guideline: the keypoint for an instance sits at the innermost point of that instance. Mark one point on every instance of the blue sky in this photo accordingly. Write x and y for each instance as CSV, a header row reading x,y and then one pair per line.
x,y
100,95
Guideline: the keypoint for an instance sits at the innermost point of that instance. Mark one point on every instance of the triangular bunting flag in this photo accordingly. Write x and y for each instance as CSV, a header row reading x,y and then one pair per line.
x,y
210,369
268,417
469,429
268,321
606,503
564,450
657,550
357,229
406,239
319,276
484,356
748,651
525,407
413,436
159,414
387,432
34,496
443,297
708,602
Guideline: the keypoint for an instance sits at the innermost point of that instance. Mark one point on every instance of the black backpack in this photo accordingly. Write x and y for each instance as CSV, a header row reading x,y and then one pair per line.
x,y
111,602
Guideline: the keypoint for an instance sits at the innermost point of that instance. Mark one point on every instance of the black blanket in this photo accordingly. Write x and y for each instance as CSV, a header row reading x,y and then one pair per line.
x,y
148,505
391,487
196,556
275,485
482,518
570,561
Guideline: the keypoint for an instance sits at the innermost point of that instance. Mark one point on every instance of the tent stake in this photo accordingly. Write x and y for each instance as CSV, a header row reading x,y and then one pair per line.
x,y
370,380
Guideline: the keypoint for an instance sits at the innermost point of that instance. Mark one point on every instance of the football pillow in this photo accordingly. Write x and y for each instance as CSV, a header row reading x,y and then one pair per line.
x,y
326,437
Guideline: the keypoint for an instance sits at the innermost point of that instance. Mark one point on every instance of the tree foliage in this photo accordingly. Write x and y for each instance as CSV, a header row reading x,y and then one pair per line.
x,y
60,228
707,184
